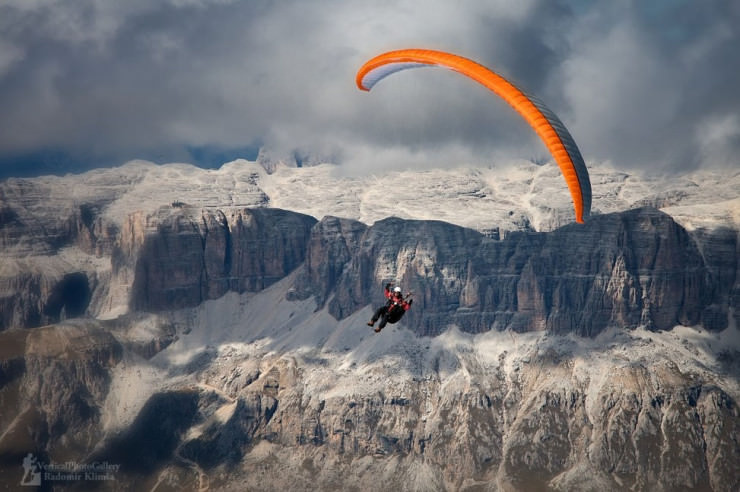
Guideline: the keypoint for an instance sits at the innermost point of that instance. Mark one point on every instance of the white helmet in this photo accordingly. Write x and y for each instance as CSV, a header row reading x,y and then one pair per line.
x,y
397,289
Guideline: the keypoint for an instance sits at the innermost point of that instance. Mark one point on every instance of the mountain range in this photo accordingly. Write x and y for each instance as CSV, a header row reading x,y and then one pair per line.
x,y
196,329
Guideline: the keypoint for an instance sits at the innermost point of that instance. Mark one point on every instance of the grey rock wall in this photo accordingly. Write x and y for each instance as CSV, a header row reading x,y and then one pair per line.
x,y
183,260
624,269
627,269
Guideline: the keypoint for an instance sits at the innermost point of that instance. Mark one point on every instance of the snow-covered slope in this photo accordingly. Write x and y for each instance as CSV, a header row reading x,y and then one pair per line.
x,y
266,324
508,196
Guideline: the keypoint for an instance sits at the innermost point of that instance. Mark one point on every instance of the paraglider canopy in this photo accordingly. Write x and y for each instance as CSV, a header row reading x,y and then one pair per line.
x,y
545,123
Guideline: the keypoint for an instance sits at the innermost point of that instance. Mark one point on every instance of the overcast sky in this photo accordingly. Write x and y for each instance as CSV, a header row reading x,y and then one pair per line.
x,y
641,84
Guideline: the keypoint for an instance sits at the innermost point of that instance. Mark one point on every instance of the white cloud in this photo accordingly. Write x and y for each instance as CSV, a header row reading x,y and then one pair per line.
x,y
718,137
140,75
9,54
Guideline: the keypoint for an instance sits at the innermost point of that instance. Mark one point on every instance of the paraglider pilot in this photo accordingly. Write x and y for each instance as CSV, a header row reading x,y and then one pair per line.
x,y
394,308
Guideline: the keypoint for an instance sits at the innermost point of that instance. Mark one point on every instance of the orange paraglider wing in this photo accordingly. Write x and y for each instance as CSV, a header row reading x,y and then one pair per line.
x,y
547,125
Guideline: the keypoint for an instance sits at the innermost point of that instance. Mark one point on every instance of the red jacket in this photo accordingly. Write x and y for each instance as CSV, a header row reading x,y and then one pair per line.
x,y
396,301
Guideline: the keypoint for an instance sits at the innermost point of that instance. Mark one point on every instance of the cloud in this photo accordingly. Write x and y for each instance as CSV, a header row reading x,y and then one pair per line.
x,y
718,139
638,85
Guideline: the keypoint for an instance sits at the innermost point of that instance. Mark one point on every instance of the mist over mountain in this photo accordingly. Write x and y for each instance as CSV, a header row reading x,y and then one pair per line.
x,y
203,329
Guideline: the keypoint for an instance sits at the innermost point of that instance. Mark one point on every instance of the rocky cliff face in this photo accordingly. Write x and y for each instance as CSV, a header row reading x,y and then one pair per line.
x,y
53,383
453,412
121,241
169,259
39,219
39,282
601,356
628,269
529,431
58,236
186,257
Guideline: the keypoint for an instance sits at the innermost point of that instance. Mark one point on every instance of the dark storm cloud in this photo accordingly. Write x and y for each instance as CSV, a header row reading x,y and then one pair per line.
x,y
655,84
639,84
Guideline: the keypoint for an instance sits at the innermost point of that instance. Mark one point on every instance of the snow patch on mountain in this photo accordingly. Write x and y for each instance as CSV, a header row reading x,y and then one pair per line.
x,y
346,358
507,196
